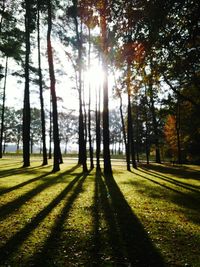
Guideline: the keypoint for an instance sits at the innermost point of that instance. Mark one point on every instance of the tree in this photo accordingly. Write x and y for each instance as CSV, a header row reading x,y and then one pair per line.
x,y
3,107
73,12
57,151
103,10
45,162
26,109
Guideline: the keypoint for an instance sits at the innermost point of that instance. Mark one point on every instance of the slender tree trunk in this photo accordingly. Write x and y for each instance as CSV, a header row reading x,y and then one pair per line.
x,y
44,150
127,150
137,134
130,142
26,109
56,141
98,129
89,107
155,126
106,133
82,141
3,108
50,129
178,132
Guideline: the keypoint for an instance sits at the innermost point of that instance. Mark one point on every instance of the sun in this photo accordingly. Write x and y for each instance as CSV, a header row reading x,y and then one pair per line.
x,y
93,82
94,76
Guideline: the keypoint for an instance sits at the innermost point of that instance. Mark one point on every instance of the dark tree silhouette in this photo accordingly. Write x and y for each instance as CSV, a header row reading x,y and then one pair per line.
x,y
104,39
26,108
3,107
56,141
45,162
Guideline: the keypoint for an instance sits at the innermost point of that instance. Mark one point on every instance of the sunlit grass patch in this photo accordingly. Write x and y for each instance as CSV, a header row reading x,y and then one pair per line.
x,y
147,216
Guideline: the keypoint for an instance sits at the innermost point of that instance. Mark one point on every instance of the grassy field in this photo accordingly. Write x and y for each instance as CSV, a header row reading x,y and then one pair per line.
x,y
147,217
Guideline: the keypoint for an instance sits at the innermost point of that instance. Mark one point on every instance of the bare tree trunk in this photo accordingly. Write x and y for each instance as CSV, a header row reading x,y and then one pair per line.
x,y
127,150
130,141
82,142
155,126
89,107
178,132
106,134
26,109
3,107
57,152
50,129
137,134
44,150
98,129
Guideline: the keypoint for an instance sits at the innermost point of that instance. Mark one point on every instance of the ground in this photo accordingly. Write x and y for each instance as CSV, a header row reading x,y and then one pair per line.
x,y
147,217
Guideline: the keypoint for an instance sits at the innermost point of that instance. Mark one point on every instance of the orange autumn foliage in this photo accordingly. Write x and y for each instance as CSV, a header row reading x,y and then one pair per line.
x,y
171,134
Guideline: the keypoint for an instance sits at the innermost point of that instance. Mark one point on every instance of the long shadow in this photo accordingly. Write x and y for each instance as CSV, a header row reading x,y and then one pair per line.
x,y
10,164
15,204
184,195
20,170
139,249
189,201
95,251
15,241
171,180
183,172
51,248
7,190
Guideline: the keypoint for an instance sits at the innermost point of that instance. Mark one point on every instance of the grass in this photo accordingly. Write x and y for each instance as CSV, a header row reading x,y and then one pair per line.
x,y
147,217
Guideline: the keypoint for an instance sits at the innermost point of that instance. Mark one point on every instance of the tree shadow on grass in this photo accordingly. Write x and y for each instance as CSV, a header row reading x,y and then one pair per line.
x,y
15,241
180,171
19,170
189,201
15,204
130,243
54,246
171,180
7,190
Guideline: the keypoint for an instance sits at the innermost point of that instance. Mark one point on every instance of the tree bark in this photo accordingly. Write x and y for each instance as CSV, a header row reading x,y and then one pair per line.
x,y
178,132
56,141
50,128
44,150
3,108
26,108
82,142
98,129
89,107
127,150
155,126
130,141
106,133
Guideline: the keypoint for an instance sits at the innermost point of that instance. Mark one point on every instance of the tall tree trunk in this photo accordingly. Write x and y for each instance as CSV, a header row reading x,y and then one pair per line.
x,y
44,150
130,141
98,129
147,142
178,131
89,107
127,150
137,134
50,129
106,133
56,141
82,141
155,126
3,108
26,108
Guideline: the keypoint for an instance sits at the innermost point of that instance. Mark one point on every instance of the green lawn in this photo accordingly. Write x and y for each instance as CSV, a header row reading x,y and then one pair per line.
x,y
148,217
